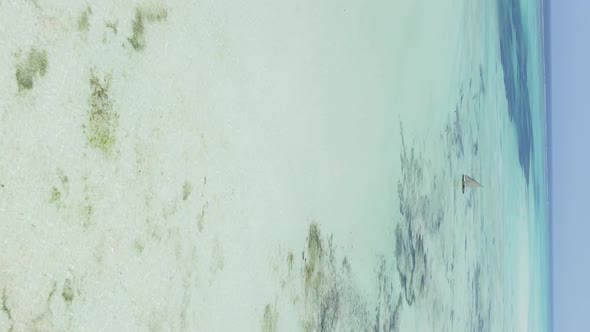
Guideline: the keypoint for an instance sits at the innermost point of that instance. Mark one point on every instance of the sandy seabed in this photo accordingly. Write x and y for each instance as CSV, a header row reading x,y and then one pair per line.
x,y
260,165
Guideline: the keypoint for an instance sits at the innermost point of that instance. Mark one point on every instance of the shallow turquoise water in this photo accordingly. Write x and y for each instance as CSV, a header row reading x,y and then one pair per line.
x,y
211,166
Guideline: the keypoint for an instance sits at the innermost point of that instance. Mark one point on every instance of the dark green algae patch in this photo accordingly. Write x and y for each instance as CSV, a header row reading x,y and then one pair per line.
x,y
269,319
57,192
32,68
138,25
103,121
55,196
84,20
330,300
68,292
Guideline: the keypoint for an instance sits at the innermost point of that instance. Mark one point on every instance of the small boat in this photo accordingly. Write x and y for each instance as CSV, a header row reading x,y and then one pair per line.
x,y
469,182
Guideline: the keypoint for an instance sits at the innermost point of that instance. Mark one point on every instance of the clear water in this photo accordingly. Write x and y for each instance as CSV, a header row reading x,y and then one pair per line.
x,y
274,166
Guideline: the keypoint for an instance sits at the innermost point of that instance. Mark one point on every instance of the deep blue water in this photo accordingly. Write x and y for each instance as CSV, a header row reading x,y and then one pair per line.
x,y
519,53
513,41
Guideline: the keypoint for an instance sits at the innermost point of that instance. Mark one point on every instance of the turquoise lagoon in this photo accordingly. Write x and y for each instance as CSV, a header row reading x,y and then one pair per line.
x,y
272,166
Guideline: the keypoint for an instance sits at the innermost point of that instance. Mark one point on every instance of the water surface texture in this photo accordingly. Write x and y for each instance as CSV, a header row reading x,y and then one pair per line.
x,y
272,166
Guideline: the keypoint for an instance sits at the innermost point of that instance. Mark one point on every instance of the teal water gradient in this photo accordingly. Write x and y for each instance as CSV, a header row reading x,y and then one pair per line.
x,y
522,51
273,166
